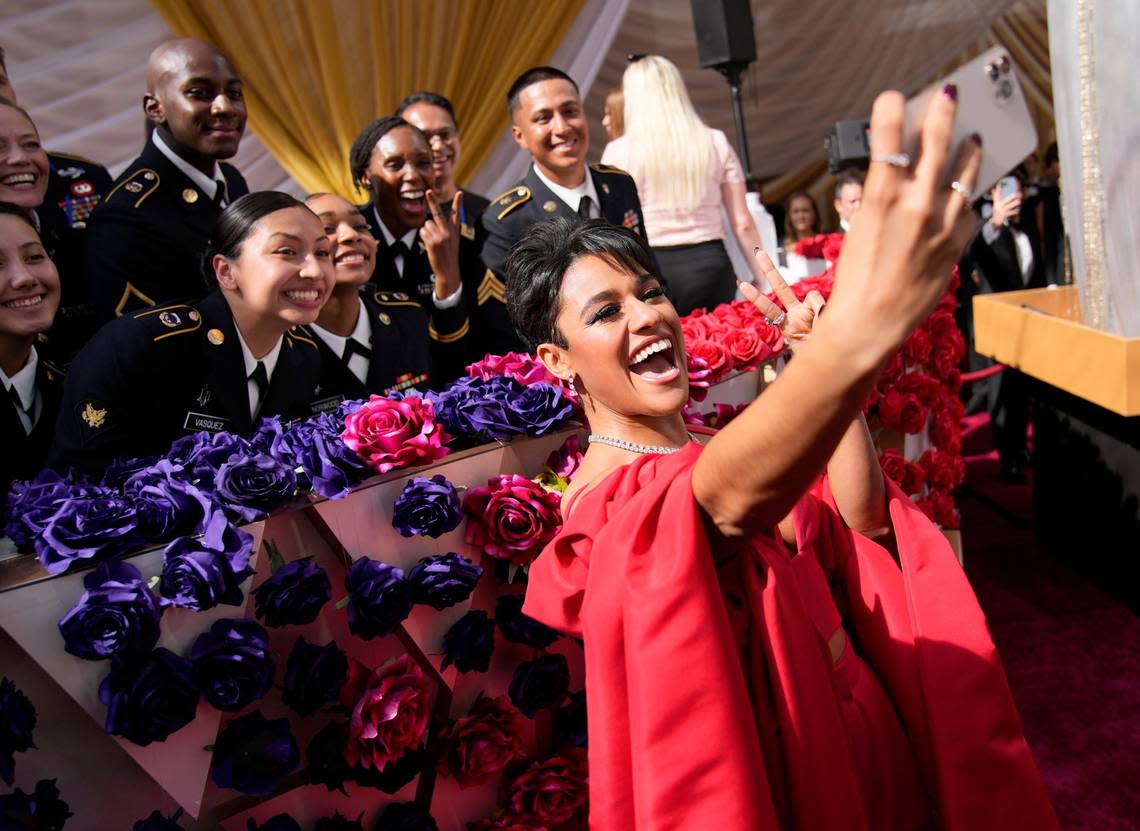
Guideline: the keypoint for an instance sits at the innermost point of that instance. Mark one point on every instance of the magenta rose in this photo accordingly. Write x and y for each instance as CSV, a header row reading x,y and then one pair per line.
x,y
566,460
512,518
390,708
699,378
389,434
553,790
482,743
524,368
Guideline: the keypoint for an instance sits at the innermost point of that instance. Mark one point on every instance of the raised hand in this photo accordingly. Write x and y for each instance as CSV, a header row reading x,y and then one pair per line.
x,y
797,318
440,236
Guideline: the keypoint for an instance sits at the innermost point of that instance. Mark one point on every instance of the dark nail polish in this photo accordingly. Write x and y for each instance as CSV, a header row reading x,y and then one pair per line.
x,y
976,138
951,91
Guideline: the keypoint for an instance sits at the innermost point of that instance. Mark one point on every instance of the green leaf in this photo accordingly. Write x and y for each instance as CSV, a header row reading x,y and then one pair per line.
x,y
344,601
276,561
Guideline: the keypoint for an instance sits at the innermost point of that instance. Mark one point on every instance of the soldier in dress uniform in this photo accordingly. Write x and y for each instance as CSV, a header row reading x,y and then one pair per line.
x,y
145,240
29,296
217,364
421,254
371,341
435,117
24,180
548,121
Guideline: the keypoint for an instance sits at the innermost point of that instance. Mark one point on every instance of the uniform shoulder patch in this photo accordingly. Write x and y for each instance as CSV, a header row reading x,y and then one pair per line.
x,y
162,322
507,202
608,168
134,189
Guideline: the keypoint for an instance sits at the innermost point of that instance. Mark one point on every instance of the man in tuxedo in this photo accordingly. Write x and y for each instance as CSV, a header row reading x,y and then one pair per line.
x,y
146,239
549,122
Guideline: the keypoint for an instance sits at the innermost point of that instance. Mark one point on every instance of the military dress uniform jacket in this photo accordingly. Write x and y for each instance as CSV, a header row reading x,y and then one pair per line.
x,y
75,186
25,454
145,242
531,201
152,376
401,353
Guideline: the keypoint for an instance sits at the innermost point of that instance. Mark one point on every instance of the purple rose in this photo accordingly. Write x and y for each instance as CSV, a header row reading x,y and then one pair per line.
x,y
542,408
149,698
117,614
519,628
201,454
478,409
469,643
338,822
157,822
30,505
277,822
200,573
406,816
96,525
379,599
251,486
116,474
253,754
313,676
427,507
539,684
324,757
570,720
17,722
167,506
232,664
443,580
327,465
41,810
293,595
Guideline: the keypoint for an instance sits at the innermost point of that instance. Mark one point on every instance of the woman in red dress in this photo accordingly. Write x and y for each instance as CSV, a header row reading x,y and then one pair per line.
x,y
775,637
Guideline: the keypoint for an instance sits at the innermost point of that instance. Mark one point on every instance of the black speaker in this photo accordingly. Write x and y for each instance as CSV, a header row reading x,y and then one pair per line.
x,y
724,32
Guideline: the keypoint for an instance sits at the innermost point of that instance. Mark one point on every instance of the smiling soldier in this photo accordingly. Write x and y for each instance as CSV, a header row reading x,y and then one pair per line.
x,y
145,240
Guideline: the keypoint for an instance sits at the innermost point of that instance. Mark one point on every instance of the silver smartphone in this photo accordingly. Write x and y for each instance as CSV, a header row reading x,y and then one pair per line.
x,y
992,104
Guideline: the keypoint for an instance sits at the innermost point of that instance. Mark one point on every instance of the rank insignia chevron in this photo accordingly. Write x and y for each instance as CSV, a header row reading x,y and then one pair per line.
x,y
491,287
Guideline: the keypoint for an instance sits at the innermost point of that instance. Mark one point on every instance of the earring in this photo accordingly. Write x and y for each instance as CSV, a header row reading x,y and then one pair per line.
x,y
570,381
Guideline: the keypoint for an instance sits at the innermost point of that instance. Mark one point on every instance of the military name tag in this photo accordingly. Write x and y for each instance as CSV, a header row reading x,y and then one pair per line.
x,y
203,421
326,405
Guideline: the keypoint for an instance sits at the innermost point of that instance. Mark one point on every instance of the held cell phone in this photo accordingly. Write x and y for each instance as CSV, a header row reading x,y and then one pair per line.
x,y
1007,186
992,104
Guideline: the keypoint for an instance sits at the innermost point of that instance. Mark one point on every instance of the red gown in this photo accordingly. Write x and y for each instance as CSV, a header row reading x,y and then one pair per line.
x,y
712,698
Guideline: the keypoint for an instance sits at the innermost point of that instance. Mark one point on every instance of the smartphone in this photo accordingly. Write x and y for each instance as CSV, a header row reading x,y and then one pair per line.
x,y
1008,186
992,104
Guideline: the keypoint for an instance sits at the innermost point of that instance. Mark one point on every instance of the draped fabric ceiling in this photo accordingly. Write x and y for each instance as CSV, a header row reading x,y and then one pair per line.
x,y
316,73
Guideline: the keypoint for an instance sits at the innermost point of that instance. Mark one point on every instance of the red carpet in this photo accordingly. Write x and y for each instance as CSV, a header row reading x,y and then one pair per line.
x,y
1072,654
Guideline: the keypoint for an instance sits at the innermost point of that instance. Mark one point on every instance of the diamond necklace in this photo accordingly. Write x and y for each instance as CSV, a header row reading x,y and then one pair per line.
x,y
634,447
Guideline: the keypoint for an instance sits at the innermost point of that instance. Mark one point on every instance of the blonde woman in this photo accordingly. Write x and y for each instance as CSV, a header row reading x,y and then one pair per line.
x,y
685,172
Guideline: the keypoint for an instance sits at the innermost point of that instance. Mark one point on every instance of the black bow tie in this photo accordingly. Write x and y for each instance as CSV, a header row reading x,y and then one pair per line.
x,y
354,347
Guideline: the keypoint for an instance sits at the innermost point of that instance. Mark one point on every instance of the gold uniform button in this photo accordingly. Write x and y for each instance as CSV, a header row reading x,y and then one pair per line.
x,y
384,318
148,176
549,207
216,337
190,196
194,316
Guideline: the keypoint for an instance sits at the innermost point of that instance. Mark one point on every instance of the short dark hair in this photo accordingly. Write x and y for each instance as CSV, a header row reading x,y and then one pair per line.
x,y
845,180
8,209
236,222
539,262
534,75
433,98
361,153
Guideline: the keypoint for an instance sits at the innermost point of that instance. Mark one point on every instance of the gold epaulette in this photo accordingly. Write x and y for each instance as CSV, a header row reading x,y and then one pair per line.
x,y
138,186
507,202
608,168
293,336
394,298
175,319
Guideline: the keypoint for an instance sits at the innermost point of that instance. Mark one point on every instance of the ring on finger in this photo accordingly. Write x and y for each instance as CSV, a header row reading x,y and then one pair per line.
x,y
893,159
962,191
777,320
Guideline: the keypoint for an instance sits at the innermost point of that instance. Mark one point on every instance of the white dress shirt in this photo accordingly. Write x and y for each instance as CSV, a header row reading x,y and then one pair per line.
x,y
206,184
24,382
573,196
270,361
362,334
409,239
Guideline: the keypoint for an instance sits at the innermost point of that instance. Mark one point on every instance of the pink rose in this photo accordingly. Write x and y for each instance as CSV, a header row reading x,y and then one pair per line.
x,y
713,354
524,368
552,791
512,518
566,460
389,434
699,377
390,708
482,743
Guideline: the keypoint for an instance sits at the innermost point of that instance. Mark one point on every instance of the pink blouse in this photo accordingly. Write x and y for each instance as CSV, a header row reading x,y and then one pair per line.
x,y
671,226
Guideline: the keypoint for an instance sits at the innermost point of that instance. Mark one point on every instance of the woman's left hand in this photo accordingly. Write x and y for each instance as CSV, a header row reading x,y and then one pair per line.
x,y
797,318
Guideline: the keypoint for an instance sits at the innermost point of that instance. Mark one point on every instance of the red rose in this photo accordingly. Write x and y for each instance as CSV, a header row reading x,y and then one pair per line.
x,y
389,434
923,387
512,518
831,246
892,371
390,711
916,349
812,247
747,348
481,743
944,360
713,354
553,790
906,475
943,471
904,413
941,326
946,431
939,508
872,400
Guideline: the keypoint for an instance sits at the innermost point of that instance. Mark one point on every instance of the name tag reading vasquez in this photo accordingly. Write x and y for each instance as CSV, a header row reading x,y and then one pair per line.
x,y
200,421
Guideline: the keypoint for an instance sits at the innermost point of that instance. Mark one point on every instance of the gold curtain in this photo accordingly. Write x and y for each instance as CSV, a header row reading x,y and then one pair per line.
x,y
316,72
